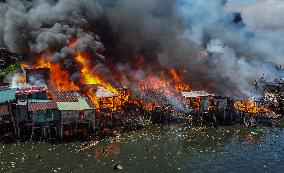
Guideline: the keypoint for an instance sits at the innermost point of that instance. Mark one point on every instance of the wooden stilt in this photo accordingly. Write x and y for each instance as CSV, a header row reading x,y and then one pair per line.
x,y
44,132
18,131
15,128
76,127
61,130
55,128
49,131
32,135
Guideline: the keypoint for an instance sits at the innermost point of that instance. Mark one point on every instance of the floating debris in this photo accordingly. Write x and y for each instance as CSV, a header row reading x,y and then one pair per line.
x,y
117,167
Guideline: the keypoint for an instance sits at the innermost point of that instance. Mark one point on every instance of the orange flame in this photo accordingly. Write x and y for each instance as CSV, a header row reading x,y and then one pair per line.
x,y
167,82
89,78
178,84
59,78
249,106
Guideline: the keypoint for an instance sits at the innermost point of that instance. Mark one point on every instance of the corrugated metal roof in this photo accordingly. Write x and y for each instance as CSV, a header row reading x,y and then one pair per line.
x,y
193,94
103,93
81,104
7,95
41,105
30,90
65,96
91,104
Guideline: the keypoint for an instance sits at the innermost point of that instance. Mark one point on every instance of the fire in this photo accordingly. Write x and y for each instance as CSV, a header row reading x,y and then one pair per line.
x,y
90,78
249,106
24,65
22,79
59,78
167,82
178,84
44,61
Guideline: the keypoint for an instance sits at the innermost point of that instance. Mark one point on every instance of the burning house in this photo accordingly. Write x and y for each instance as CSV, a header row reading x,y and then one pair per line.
x,y
197,100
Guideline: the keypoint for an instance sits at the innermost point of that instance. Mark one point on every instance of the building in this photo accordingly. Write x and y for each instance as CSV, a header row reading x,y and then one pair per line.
x,y
75,110
7,96
43,111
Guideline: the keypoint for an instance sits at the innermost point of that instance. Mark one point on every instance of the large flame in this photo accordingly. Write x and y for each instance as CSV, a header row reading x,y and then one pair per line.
x,y
249,106
59,79
168,82
90,78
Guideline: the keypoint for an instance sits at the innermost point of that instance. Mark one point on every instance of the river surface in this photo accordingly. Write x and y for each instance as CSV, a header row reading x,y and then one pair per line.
x,y
155,149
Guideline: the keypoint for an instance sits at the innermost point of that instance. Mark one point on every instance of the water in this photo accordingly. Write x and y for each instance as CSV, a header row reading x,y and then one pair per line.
x,y
175,148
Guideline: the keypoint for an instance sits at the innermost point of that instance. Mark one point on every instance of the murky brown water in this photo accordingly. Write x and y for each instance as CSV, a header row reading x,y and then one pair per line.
x,y
175,148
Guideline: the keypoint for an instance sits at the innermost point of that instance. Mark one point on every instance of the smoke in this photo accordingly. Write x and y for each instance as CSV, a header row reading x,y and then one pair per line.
x,y
225,44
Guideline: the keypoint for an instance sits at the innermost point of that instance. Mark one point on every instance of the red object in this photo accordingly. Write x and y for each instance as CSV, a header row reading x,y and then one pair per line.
x,y
41,106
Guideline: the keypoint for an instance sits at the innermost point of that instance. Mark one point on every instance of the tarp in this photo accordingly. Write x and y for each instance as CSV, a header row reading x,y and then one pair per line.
x,y
41,106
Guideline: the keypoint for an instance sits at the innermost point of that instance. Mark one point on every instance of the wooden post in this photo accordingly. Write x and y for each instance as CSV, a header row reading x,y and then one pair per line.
x,y
111,119
32,135
18,131
44,132
55,128
61,130
76,127
94,121
49,131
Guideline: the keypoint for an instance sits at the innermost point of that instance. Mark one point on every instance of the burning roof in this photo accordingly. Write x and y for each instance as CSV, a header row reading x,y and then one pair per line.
x,y
103,93
65,96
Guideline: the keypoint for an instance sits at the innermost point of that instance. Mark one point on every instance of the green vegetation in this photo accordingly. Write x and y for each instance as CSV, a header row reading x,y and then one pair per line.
x,y
8,70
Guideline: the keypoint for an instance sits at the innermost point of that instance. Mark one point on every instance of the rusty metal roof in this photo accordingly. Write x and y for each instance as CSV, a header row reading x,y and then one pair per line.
x,y
41,105
65,96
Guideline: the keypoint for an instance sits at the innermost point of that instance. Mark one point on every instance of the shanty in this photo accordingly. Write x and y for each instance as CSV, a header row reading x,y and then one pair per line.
x,y
141,86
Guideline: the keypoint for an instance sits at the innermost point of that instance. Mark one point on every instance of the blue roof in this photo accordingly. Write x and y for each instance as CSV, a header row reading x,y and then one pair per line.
x,y
7,95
